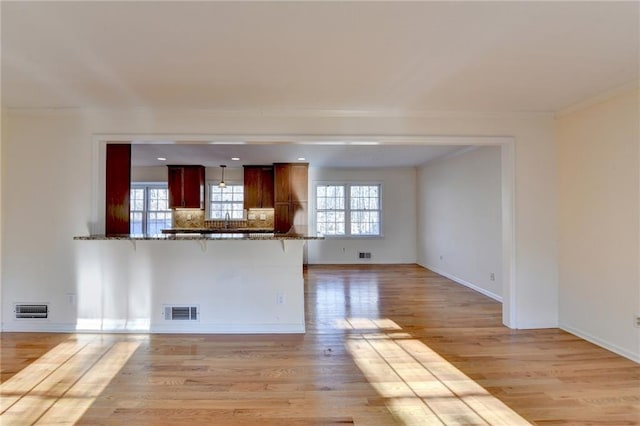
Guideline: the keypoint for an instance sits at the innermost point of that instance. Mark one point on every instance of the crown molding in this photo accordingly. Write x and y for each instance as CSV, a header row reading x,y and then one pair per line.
x,y
284,113
601,97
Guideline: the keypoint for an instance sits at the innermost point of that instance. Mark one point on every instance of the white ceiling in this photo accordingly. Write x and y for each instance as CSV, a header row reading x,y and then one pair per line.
x,y
400,57
334,155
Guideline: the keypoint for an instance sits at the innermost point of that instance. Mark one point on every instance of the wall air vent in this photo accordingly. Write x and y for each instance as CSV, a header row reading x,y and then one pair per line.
x,y
181,313
364,255
31,310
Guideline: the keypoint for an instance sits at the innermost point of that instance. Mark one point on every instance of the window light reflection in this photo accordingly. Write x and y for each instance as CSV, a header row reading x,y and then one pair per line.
x,y
419,386
62,384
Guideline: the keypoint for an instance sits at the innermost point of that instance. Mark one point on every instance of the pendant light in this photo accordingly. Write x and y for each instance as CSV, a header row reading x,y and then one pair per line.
x,y
222,184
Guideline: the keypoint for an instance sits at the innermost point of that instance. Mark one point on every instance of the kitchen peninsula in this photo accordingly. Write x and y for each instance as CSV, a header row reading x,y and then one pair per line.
x,y
210,271
192,283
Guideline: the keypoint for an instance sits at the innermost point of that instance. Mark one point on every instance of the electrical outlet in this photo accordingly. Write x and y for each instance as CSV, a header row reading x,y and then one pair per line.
x,y
492,276
71,299
637,320
441,257
280,299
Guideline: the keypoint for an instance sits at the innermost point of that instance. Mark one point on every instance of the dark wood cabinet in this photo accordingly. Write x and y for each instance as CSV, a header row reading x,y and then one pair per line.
x,y
298,177
291,195
258,187
281,183
186,186
117,189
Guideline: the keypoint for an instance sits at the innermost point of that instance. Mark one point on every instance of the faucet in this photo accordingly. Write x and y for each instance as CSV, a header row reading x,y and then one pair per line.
x,y
226,220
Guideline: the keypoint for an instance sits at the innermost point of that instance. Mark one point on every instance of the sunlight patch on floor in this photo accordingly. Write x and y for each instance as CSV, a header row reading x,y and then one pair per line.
x,y
420,387
366,323
62,384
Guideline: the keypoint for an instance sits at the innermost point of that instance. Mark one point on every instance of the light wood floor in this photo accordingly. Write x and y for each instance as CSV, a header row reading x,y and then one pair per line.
x,y
384,345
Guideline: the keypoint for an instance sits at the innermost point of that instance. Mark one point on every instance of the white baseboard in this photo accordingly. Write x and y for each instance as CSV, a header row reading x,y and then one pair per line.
x,y
359,262
601,342
465,283
214,328
532,325
35,326
198,328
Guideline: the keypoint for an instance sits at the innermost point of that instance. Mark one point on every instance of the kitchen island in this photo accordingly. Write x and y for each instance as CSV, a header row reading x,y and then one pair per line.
x,y
234,282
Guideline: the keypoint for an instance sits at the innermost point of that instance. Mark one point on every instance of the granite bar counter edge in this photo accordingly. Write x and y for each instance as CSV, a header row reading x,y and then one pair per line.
x,y
293,234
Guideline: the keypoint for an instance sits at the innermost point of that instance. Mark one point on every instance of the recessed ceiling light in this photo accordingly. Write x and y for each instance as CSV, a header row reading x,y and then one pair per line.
x,y
162,159
301,158
235,158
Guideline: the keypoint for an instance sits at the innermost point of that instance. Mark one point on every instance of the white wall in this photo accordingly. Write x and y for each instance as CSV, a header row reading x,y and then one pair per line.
x,y
44,206
398,244
50,159
459,218
598,154
3,128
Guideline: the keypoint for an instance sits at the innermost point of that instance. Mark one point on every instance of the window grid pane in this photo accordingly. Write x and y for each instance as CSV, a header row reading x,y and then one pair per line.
x,y
150,212
345,209
330,213
136,223
365,209
365,223
226,200
137,199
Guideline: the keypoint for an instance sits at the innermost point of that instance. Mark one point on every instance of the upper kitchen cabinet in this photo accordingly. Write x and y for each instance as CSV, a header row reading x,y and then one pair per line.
x,y
291,182
186,186
291,195
258,187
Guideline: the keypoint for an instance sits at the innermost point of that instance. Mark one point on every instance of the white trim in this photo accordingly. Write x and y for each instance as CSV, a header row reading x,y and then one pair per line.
x,y
216,328
38,326
465,283
509,238
188,328
298,112
507,144
298,139
600,342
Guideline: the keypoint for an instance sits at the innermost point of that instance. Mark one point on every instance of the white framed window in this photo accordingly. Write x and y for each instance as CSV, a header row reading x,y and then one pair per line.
x,y
149,208
348,209
229,199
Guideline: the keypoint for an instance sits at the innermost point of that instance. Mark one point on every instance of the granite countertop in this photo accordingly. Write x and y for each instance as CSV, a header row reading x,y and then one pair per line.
x,y
293,234
232,230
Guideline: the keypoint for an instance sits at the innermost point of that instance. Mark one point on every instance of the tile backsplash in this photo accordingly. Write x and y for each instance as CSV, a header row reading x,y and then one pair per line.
x,y
187,218
255,218
195,218
260,218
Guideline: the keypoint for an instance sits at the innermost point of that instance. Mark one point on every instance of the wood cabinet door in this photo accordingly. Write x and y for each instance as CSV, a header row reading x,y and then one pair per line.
x,y
258,187
266,183
281,185
174,182
299,214
117,189
252,187
299,182
186,186
193,187
282,220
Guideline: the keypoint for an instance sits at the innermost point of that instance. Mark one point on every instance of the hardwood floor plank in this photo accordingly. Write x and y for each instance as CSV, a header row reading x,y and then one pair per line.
x,y
385,345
